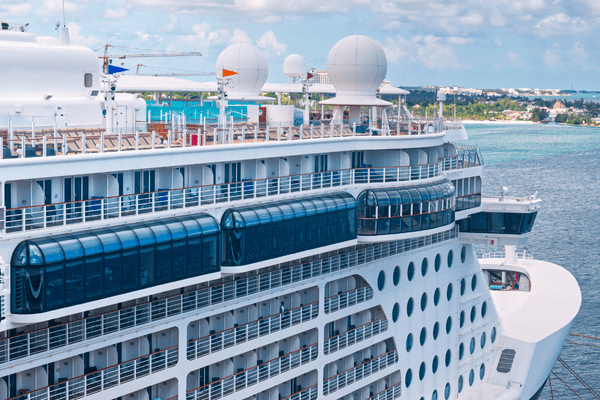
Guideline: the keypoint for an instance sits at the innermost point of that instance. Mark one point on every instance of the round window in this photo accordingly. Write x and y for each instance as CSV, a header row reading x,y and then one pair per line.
x,y
423,336
409,306
447,391
437,262
483,340
462,319
436,330
472,345
448,357
448,324
463,254
482,371
410,272
436,297
471,377
473,314
493,335
396,276
449,292
483,309
381,281
463,284
408,378
424,265
460,383
423,301
395,312
434,395
434,364
409,342
461,351
474,282
450,258
422,369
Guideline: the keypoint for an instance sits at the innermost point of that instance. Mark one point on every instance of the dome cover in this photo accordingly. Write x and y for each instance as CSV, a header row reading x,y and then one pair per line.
x,y
356,66
251,67
294,66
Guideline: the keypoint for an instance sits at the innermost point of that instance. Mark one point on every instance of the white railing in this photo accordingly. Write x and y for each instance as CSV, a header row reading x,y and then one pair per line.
x,y
46,339
105,378
252,330
103,208
363,370
501,254
393,392
355,335
251,376
310,393
347,299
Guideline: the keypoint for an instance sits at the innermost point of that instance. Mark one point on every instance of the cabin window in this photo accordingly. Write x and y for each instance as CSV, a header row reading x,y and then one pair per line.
x,y
88,79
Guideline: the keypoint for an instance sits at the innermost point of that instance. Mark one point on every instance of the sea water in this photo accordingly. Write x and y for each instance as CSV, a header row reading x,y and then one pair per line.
x,y
562,164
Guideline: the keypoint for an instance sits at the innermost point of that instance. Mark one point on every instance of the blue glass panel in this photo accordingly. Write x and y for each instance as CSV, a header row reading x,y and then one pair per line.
x,y
208,224
415,195
112,274
91,245
263,215
329,203
94,269
144,234
161,232
250,217
110,241
128,239
51,250
287,211
191,226
55,287
19,257
239,221
227,220
309,206
320,205
340,203
71,246
424,193
74,272
405,195
276,213
382,197
298,208
177,230
394,196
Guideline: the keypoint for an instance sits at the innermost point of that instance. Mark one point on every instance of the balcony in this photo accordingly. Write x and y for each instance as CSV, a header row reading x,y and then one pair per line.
x,y
106,378
102,325
347,299
355,335
252,330
252,376
361,371
392,392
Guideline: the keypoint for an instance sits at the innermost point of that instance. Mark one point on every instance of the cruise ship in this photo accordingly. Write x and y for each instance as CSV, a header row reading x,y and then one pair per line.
x,y
149,257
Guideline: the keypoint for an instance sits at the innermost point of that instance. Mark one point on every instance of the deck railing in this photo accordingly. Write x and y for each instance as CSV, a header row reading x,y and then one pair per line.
x,y
106,378
361,371
348,299
69,333
251,376
393,392
103,208
252,330
354,335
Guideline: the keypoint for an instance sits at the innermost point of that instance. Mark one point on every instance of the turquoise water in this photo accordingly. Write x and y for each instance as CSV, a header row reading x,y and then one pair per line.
x,y
561,163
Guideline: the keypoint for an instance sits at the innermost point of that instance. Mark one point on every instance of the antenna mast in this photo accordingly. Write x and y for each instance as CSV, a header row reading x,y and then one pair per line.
x,y
64,18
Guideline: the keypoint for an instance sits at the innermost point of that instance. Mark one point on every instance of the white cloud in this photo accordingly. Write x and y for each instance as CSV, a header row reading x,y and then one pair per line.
x,y
240,36
52,9
15,10
172,23
552,57
460,41
513,60
77,38
203,38
271,46
498,42
428,51
559,25
146,37
115,14
579,55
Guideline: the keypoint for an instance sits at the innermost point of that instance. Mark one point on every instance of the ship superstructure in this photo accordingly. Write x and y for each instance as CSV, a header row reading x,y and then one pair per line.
x,y
250,261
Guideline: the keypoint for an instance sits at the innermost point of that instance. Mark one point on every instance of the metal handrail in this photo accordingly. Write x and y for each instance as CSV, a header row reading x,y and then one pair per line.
x,y
347,299
355,335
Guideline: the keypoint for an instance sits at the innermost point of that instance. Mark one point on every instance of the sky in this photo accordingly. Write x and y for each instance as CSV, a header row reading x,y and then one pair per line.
x,y
483,44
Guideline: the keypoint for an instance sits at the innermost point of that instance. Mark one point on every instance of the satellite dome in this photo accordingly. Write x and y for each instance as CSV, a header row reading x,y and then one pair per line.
x,y
251,66
294,66
356,66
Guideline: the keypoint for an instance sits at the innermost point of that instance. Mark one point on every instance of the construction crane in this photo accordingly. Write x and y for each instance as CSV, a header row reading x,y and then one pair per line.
x,y
106,57
137,73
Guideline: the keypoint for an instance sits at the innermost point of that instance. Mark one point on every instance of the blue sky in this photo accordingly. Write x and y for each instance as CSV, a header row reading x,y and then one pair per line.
x,y
473,43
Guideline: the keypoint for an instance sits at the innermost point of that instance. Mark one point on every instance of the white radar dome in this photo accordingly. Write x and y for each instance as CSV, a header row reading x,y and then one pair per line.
x,y
252,70
356,65
294,66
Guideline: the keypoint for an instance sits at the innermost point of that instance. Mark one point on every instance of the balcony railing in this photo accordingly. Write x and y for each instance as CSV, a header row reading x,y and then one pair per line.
x,y
104,208
348,299
252,330
260,373
355,335
393,392
363,370
310,393
69,333
106,378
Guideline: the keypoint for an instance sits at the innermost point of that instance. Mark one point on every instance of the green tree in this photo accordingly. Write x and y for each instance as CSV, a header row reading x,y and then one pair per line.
x,y
538,114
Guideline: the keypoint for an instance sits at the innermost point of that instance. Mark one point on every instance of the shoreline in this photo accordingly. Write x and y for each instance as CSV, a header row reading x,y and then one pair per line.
x,y
499,122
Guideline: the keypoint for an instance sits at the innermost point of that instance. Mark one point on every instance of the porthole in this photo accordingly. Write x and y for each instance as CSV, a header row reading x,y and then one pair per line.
x,y
396,276
448,324
463,285
409,342
473,314
381,281
436,297
482,371
409,306
437,262
450,258
395,312
449,292
460,383
483,309
410,271
436,330
408,378
483,340
472,345
448,357
462,319
447,391
424,266
88,79
434,395
461,351
434,364
463,254
493,335
474,283
471,377
422,369
423,301
423,336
